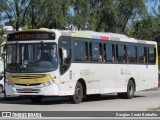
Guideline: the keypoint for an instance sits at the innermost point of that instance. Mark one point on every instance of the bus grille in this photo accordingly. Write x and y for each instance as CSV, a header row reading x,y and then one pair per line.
x,y
28,84
33,91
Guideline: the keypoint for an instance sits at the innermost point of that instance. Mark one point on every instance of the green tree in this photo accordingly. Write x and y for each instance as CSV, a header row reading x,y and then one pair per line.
x,y
107,15
48,13
117,14
82,14
14,11
36,13
147,29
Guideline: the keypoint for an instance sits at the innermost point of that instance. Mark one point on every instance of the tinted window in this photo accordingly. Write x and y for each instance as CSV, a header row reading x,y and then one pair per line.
x,y
131,54
109,52
64,53
77,51
94,52
121,53
101,53
142,55
80,51
151,55
64,42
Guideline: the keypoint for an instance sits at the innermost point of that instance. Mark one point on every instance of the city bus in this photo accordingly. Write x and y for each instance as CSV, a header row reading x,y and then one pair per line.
x,y
49,62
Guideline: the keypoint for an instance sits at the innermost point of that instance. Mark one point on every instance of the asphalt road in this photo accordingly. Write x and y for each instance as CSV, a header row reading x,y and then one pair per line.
x,y
142,101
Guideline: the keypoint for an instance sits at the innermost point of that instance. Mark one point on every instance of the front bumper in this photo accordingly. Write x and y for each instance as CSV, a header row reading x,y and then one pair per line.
x,y
38,90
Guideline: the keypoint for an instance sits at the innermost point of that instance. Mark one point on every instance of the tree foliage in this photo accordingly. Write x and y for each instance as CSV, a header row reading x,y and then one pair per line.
x,y
128,17
50,13
147,29
107,15
15,12
35,13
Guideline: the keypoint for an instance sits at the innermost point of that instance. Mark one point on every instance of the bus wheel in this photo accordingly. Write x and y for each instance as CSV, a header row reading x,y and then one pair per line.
x,y
36,99
130,91
78,94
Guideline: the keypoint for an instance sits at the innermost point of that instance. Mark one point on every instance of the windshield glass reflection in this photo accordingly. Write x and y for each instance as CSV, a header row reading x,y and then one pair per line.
x,y
41,57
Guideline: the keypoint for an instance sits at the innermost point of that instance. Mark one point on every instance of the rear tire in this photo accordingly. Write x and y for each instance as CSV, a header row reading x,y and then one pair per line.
x,y
78,94
130,91
36,99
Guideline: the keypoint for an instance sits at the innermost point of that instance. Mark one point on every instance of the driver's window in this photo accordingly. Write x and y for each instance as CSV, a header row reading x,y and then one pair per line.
x,y
64,54
67,56
64,59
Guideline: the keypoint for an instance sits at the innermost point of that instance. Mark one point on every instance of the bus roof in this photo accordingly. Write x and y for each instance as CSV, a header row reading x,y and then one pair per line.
x,y
105,36
92,34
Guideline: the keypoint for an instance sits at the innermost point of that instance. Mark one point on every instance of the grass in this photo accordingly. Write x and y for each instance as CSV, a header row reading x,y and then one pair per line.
x,y
155,109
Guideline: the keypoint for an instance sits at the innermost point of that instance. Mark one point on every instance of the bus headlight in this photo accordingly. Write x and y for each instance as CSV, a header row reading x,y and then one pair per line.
x,y
48,83
9,83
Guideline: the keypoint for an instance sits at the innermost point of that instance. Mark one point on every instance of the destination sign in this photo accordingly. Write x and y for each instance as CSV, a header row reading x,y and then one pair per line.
x,y
22,36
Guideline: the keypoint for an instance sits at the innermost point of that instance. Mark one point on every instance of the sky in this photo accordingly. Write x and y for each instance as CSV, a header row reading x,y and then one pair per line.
x,y
151,5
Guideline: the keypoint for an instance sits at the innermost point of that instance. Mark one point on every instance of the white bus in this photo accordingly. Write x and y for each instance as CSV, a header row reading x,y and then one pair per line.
x,y
45,62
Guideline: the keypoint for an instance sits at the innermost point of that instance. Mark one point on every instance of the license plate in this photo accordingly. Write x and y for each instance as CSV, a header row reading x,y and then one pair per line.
x,y
27,90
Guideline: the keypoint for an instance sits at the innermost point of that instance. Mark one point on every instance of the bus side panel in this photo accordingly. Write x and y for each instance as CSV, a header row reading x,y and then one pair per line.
x,y
147,77
110,78
69,79
95,83
152,76
92,74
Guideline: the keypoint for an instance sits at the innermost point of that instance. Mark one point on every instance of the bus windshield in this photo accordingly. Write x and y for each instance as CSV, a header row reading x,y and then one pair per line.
x,y
32,58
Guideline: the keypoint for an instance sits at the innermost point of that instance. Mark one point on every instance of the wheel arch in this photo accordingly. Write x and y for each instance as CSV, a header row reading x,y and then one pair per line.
x,y
82,81
132,79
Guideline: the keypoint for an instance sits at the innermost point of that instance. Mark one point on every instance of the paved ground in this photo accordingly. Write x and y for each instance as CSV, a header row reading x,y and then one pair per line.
x,y
144,100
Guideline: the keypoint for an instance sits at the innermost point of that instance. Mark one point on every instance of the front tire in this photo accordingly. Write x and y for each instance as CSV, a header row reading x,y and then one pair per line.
x,y
78,94
130,91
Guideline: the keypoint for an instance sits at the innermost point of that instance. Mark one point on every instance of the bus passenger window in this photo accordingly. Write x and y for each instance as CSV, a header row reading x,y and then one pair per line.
x,y
114,53
121,53
80,51
131,54
142,58
101,53
84,51
145,55
151,55
94,52
109,52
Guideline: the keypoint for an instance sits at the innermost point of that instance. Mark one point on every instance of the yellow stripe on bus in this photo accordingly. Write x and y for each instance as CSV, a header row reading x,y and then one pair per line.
x,y
156,55
29,78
